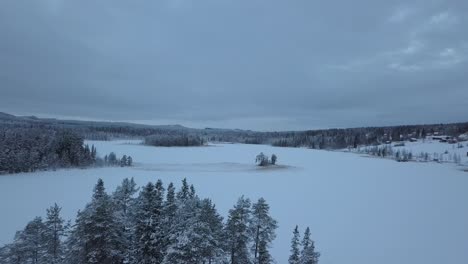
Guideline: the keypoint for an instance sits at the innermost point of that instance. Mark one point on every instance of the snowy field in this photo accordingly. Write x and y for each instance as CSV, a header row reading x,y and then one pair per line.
x,y
445,152
360,210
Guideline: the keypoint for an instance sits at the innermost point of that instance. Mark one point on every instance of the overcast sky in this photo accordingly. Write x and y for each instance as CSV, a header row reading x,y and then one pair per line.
x,y
253,64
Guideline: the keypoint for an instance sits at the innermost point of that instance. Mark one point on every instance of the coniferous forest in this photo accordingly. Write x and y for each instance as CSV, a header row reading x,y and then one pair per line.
x,y
39,148
31,149
154,224
184,136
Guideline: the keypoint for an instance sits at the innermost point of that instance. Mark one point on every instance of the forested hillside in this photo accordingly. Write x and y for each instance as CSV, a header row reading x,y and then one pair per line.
x,y
178,135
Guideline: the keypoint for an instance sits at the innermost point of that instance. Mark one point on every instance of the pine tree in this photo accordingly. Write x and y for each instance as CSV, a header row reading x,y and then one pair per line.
x,y
93,153
158,221
183,238
31,242
262,229
170,205
112,159
184,247
210,238
237,232
123,161
55,230
184,193
192,192
294,258
308,254
149,233
97,236
170,210
123,199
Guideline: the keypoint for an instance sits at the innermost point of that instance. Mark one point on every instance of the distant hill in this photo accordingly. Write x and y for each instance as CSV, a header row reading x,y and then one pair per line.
x,y
317,139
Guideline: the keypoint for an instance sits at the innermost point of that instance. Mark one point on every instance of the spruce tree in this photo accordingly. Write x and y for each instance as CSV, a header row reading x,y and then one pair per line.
x,y
294,258
123,200
184,192
210,239
97,236
55,230
170,205
308,253
170,210
149,240
184,246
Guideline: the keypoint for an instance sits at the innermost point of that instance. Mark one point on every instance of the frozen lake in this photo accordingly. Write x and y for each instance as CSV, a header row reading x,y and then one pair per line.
x,y
360,210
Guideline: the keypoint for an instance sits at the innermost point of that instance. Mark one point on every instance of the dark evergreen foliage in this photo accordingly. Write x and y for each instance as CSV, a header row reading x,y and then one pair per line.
x,y
174,140
27,150
154,226
294,258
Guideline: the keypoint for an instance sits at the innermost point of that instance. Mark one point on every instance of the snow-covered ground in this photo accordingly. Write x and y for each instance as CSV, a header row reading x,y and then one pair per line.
x,y
360,210
455,155
443,150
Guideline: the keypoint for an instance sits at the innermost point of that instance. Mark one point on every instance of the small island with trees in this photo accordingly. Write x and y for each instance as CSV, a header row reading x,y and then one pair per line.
x,y
263,160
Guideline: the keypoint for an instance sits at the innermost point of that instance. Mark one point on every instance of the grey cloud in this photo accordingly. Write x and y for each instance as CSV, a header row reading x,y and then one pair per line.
x,y
259,64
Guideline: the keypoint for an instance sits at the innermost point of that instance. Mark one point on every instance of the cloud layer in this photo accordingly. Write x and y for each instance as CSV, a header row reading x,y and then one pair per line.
x,y
250,64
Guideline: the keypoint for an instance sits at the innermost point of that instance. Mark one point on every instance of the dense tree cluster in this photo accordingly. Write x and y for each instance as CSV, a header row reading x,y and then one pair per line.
x,y
174,140
30,149
151,225
112,160
263,160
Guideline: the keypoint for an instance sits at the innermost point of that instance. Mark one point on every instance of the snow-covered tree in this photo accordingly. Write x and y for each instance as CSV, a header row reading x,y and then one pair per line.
x,y
184,193
55,230
262,159
124,200
210,235
308,253
149,232
97,236
31,242
262,230
294,258
237,232
184,246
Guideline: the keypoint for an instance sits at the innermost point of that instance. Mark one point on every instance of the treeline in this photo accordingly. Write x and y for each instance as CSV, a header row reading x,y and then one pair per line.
x,y
174,140
171,135
367,136
31,149
158,225
404,155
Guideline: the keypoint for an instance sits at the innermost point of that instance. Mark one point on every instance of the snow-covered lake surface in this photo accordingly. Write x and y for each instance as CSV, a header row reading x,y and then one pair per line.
x,y
360,210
